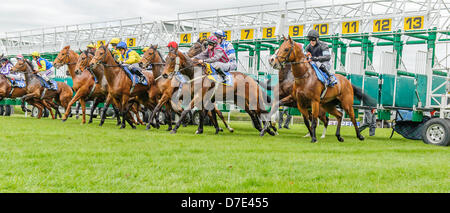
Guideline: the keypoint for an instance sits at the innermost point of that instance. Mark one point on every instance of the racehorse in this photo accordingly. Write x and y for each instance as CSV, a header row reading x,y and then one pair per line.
x,y
120,87
35,90
250,94
8,91
284,91
307,89
83,84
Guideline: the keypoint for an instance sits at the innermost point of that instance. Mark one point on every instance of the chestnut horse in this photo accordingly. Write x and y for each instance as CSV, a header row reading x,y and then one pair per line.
x,y
34,89
8,91
178,62
83,66
120,86
83,84
307,89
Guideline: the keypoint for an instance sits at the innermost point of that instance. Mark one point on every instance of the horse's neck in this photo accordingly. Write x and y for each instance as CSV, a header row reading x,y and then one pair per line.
x,y
73,58
157,67
28,76
111,72
303,72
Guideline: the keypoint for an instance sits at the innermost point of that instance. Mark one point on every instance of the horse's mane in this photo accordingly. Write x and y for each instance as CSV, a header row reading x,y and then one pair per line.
x,y
160,55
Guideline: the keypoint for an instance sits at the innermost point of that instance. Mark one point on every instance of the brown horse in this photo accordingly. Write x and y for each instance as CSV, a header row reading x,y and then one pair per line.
x,y
245,89
8,91
83,84
284,91
164,85
34,89
120,87
307,89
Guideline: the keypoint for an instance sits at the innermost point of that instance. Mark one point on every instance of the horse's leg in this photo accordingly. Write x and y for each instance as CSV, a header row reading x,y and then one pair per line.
x,y
315,106
219,113
336,113
168,117
305,114
127,111
323,117
83,110
108,101
49,108
201,123
136,110
161,102
94,105
74,99
213,116
183,114
77,109
348,107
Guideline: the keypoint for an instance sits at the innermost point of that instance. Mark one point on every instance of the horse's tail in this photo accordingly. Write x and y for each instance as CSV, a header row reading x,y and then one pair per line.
x,y
359,94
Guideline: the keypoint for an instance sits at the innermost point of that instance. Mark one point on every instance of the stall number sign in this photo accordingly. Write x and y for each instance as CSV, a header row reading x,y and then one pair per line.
x,y
100,43
185,38
413,23
269,32
131,42
228,34
247,34
350,27
382,25
204,35
321,28
296,31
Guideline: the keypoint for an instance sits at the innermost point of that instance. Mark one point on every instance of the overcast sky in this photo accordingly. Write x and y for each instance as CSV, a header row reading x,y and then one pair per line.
x,y
25,14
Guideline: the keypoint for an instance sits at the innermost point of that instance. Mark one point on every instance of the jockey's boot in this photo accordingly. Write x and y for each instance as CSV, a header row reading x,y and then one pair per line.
x,y
331,79
222,74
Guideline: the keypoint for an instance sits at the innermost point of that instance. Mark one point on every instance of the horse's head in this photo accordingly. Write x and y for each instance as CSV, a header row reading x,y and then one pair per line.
x,y
101,56
197,48
63,57
21,66
289,51
150,56
83,61
175,61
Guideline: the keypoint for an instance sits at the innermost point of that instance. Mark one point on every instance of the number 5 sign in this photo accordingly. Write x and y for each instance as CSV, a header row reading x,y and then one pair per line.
x,y
131,42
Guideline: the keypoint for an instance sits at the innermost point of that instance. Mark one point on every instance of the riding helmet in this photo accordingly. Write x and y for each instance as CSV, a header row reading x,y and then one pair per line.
x,y
313,35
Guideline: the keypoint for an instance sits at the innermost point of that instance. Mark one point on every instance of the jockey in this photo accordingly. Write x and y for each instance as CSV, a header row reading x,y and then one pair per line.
x,y
129,59
215,56
5,69
45,68
228,47
319,53
91,48
114,42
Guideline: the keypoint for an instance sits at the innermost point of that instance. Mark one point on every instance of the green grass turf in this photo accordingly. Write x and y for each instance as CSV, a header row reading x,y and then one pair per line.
x,y
50,156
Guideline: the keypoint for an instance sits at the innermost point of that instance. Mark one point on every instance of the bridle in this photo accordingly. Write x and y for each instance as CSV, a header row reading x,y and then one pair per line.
x,y
286,58
66,59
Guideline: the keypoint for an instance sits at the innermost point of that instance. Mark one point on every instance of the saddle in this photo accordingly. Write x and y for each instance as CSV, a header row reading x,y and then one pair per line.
x,y
134,77
45,84
216,77
18,83
324,78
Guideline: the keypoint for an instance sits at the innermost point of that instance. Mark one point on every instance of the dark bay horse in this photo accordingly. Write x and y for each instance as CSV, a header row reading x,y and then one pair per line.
x,y
307,89
245,90
8,91
120,87
35,91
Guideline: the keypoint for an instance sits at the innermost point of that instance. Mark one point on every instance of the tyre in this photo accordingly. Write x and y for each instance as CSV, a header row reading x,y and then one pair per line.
x,y
2,110
34,112
162,118
437,132
196,118
8,110
46,113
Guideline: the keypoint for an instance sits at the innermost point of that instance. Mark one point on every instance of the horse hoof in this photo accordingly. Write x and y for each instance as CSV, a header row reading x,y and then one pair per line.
x,y
313,140
89,122
199,132
134,127
63,120
323,137
262,133
361,138
220,129
231,130
169,129
118,124
173,131
340,139
271,133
